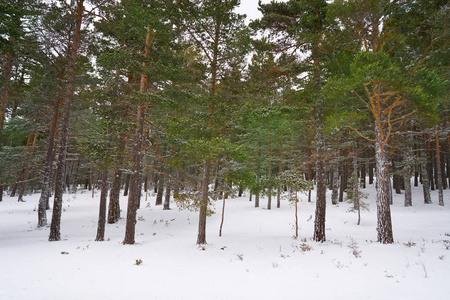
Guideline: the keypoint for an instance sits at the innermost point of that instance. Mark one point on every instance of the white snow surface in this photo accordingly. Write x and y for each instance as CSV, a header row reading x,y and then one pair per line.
x,y
256,257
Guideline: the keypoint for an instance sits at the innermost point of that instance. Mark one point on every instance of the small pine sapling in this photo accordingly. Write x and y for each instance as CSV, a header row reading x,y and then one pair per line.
x,y
295,182
354,196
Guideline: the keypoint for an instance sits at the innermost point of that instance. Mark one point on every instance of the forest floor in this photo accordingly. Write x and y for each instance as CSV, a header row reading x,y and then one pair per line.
x,y
256,257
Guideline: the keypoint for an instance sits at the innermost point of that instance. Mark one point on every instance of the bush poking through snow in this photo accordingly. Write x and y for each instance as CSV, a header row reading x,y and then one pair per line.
x,y
304,247
354,248
409,244
138,262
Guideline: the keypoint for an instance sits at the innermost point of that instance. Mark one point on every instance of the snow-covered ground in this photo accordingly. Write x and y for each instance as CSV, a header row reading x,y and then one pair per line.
x,y
256,258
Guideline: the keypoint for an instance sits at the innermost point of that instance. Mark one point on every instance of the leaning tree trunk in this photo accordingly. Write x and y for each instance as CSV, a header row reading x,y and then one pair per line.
x,y
201,239
55,234
102,207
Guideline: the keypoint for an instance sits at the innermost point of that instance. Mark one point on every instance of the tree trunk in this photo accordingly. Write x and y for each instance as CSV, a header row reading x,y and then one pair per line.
x,y
167,196
319,222
371,166
424,173
429,157
5,91
257,199
439,172
363,171
55,234
49,157
102,207
159,195
296,215
223,215
201,239
341,184
408,163
335,184
384,225
356,181
114,203
127,185
134,180
443,159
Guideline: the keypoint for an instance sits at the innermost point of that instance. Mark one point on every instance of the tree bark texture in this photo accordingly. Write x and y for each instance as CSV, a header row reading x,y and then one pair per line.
x,y
134,191
114,203
55,234
201,239
384,224
335,185
439,172
47,171
159,195
166,205
102,207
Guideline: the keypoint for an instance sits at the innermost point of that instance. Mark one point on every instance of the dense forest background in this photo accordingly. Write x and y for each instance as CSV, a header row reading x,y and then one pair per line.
x,y
186,98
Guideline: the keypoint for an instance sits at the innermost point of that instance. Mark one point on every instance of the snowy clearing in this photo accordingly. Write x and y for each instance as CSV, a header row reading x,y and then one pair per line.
x,y
256,258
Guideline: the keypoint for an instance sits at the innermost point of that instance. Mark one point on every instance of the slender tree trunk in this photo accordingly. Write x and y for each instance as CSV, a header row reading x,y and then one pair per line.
x,y
335,184
356,182
127,185
429,163
407,174
135,184
341,183
371,166
257,199
155,183
167,196
363,171
47,171
308,158
201,239
319,222
424,173
439,172
223,215
159,195
102,207
27,168
443,154
296,215
269,191
5,91
134,180
114,203
55,234
280,168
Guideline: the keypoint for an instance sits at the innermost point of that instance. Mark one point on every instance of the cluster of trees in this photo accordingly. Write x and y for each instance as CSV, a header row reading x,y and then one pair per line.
x,y
184,97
